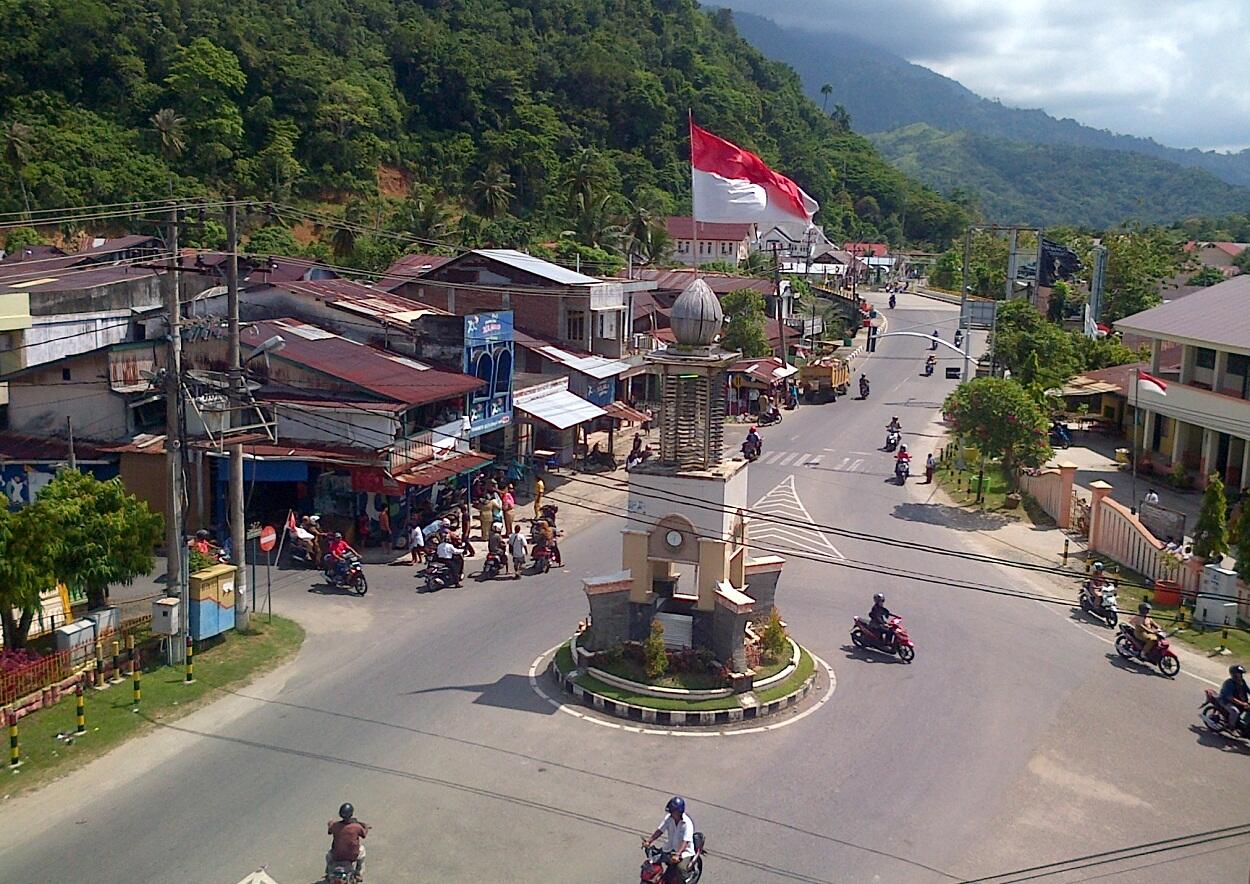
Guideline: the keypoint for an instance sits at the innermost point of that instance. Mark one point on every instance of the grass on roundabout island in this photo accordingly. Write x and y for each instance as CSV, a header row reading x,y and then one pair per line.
x,y
110,721
804,670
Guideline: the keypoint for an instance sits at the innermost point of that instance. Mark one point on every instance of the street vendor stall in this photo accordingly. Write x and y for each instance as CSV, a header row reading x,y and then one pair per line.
x,y
751,380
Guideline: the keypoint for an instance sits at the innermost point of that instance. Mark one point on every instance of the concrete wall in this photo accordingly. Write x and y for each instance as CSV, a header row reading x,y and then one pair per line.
x,y
709,504
337,426
39,404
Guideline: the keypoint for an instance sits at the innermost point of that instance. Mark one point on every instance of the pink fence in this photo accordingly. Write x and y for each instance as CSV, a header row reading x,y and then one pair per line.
x,y
51,669
1051,487
1120,536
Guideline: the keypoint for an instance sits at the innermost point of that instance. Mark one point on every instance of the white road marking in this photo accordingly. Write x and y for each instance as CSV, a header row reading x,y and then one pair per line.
x,y
785,459
794,525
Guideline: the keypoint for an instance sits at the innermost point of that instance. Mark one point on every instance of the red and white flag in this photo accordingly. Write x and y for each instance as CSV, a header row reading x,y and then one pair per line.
x,y
731,184
1151,383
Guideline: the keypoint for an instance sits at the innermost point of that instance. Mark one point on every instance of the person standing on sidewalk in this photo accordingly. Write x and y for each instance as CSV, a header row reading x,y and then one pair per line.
x,y
930,464
540,488
508,499
517,546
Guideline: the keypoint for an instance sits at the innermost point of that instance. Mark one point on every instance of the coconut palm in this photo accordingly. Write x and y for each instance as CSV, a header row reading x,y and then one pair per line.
x,y
169,129
580,181
493,191
825,91
16,153
646,236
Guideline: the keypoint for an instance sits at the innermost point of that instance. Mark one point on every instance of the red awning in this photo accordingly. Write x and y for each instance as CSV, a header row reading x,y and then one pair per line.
x,y
431,472
623,412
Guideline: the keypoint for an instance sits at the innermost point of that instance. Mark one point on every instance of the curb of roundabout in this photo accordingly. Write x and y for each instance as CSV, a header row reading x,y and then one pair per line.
x,y
645,720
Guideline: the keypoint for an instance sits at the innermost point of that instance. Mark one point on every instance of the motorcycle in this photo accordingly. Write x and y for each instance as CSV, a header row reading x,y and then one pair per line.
x,y
902,469
865,635
350,577
342,872
300,554
893,302
1060,437
770,417
750,453
1127,646
1215,719
892,438
542,559
959,338
653,868
928,368
492,566
438,575
548,512
863,388
1101,605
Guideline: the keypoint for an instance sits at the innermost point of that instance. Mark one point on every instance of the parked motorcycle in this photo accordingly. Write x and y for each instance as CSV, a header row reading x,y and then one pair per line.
x,y
902,469
1128,647
350,577
865,635
653,868
1215,719
892,439
1100,604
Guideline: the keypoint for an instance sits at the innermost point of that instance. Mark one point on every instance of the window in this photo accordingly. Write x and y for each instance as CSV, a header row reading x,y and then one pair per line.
x,y
1238,364
724,248
1204,358
576,326
607,325
65,374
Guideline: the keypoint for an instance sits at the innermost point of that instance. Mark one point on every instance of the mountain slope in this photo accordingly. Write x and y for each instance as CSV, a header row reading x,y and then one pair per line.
x,y
492,103
1017,182
883,91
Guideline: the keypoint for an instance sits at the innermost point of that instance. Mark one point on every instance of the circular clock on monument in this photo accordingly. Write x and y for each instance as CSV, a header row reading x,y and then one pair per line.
x,y
673,539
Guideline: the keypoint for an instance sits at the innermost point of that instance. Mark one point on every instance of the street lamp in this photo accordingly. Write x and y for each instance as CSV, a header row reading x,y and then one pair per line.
x,y
272,345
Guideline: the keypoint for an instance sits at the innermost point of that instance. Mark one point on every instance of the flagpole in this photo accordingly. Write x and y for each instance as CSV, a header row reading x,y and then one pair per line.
x,y
1136,410
694,212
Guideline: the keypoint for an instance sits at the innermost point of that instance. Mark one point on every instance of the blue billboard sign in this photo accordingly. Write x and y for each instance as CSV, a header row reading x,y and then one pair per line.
x,y
488,355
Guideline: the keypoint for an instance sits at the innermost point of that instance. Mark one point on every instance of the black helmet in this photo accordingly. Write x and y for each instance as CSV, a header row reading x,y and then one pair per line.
x,y
347,811
1143,608
676,803
1236,670
201,534
879,598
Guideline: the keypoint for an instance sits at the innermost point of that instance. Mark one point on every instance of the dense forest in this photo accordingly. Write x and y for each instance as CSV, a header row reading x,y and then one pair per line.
x,y
1020,183
486,121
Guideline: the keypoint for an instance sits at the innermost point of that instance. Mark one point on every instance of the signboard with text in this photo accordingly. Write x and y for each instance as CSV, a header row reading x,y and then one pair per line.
x,y
488,355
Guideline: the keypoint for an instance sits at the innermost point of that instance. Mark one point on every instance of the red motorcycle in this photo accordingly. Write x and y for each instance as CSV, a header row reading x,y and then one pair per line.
x,y
1216,719
542,559
865,635
1128,647
654,866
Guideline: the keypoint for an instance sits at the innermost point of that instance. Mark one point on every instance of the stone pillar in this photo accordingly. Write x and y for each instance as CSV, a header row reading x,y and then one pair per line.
x,y
1067,477
713,569
1207,462
609,610
1180,430
729,625
1245,463
1221,369
762,575
1146,443
1156,348
634,560
1189,356
1098,493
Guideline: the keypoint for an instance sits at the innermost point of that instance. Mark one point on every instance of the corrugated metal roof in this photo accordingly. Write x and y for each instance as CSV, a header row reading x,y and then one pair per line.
x,y
678,279
537,266
1218,316
392,377
21,448
682,227
560,408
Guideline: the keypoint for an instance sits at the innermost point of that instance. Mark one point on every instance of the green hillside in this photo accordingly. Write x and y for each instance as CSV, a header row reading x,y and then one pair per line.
x,y
505,121
1018,182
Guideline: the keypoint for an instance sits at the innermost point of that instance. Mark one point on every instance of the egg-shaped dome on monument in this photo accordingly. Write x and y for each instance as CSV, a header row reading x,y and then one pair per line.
x,y
697,316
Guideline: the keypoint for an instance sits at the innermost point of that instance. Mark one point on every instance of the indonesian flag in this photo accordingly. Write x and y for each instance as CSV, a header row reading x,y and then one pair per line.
x,y
1151,383
731,184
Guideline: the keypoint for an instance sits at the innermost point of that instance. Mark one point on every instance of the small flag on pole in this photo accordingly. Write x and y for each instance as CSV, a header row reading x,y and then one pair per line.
x,y
1151,383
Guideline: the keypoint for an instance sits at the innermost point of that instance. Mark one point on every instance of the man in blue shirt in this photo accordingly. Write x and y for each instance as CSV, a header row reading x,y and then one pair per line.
x,y
1235,698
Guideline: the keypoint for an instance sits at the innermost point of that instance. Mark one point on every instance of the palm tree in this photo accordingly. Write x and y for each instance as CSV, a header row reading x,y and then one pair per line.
x,y
825,91
423,216
169,129
493,191
841,118
579,181
645,234
16,152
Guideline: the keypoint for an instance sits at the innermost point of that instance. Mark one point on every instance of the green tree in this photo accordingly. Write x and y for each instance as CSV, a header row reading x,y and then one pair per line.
x,y
1241,545
1207,276
170,133
20,237
841,118
1211,529
272,240
206,81
744,326
28,553
106,535
493,191
655,657
773,639
825,91
17,137
1001,420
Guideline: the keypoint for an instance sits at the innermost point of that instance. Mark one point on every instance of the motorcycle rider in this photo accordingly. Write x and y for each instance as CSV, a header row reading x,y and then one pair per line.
x,y
450,555
496,546
1146,630
338,551
936,335
893,301
678,832
347,832
1235,699
879,617
891,428
903,457
863,386
753,441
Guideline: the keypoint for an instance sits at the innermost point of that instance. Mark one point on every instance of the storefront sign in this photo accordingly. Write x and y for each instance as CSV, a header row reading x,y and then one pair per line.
x,y
601,392
374,480
488,355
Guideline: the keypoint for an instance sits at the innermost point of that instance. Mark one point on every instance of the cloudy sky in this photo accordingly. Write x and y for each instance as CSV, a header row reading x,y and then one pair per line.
x,y
1174,70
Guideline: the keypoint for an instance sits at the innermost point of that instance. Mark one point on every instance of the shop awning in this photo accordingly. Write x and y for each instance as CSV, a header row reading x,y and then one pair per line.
x,y
623,412
560,408
434,471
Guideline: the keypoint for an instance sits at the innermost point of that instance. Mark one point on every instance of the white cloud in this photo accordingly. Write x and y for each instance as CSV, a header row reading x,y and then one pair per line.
x,y
1173,70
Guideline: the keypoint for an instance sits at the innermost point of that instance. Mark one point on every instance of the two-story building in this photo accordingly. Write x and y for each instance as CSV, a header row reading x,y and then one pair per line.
x,y
1202,419
717,241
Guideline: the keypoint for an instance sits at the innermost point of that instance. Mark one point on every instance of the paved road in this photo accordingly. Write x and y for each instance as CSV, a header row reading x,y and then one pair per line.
x,y
1013,740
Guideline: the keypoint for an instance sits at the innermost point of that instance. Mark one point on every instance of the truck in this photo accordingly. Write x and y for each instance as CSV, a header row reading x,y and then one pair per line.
x,y
825,378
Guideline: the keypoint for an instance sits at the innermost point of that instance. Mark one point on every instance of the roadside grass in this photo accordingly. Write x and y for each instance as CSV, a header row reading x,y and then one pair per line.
x,y
110,720
1199,638
962,485
801,673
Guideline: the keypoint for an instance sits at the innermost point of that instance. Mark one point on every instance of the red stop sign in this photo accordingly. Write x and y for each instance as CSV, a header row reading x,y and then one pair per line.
x,y
268,538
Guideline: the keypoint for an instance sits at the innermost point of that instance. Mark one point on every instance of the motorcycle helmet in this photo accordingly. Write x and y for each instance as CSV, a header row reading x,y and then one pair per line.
x,y
1098,566
346,811
754,428
201,534
676,803
338,536
902,449
1143,608
879,598
1236,670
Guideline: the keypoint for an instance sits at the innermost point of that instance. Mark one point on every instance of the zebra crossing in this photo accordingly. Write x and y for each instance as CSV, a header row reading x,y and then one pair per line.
x,y
781,521
846,464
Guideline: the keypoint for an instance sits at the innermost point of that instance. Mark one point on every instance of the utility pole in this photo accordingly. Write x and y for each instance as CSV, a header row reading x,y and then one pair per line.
x,y
69,425
238,519
174,550
963,302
